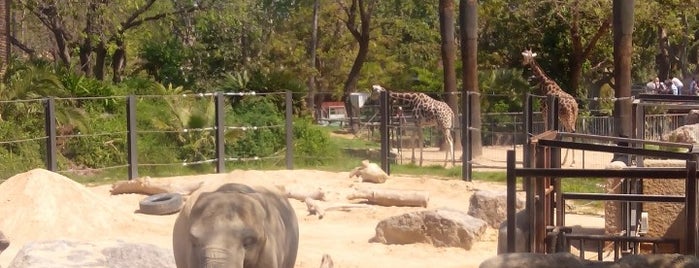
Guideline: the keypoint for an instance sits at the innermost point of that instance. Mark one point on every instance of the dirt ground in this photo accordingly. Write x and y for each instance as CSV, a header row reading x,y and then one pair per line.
x,y
42,205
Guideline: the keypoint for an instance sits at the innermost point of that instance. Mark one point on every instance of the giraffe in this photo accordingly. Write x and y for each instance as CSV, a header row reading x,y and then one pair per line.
x,y
567,106
427,111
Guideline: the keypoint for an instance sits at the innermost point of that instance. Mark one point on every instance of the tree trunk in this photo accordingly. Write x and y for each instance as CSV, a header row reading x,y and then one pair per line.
x,y
86,48
446,31
623,50
662,60
62,46
4,35
100,59
361,34
352,79
118,61
310,99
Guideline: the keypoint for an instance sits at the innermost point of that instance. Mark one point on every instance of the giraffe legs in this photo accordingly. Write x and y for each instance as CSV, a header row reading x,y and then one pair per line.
x,y
449,139
420,141
565,158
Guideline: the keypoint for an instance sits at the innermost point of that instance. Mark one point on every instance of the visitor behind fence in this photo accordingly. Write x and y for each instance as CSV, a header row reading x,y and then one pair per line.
x,y
672,87
678,83
693,87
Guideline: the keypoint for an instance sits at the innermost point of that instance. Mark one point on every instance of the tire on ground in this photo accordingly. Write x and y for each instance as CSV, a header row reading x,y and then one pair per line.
x,y
161,204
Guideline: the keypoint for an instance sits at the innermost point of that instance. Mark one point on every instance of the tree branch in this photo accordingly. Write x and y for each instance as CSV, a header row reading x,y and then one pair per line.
x,y
601,31
22,46
132,22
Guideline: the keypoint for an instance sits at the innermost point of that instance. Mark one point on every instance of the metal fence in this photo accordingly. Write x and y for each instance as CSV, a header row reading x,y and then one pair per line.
x,y
197,124
121,127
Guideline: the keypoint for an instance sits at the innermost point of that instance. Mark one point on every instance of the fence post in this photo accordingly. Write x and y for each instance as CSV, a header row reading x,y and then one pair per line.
x,y
289,130
50,129
528,129
220,131
131,137
385,113
511,198
466,138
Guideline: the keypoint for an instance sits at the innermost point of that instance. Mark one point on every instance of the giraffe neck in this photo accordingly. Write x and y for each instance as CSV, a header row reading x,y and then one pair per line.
x,y
403,96
548,86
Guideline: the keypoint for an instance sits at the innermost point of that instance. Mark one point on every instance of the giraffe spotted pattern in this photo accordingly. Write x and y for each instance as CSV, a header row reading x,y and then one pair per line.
x,y
567,106
427,111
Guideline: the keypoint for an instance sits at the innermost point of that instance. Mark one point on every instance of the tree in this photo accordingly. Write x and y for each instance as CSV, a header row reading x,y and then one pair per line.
x,y
362,10
4,34
96,29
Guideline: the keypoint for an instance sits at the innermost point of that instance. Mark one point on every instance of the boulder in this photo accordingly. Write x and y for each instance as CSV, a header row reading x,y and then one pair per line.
x,y
4,242
64,253
692,117
539,260
686,133
521,233
491,206
369,172
441,228
658,261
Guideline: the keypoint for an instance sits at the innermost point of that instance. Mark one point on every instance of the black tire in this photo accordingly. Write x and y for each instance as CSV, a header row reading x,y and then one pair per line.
x,y
161,204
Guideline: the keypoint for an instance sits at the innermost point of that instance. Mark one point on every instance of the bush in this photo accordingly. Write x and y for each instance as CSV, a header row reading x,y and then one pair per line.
x,y
267,139
312,145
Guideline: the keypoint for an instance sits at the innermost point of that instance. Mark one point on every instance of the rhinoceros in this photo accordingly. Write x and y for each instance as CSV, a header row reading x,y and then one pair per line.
x,y
236,226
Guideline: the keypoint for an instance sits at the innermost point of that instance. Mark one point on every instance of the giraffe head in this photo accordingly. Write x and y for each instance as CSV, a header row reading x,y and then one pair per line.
x,y
378,88
528,57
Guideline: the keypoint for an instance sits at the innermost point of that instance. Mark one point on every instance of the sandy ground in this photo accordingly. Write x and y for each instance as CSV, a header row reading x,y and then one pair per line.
x,y
41,205
495,158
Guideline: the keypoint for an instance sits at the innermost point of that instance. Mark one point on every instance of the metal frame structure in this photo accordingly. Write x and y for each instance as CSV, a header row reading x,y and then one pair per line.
x,y
542,175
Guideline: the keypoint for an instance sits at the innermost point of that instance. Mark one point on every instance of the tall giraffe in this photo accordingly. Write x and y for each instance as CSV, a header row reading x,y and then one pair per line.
x,y
567,106
427,111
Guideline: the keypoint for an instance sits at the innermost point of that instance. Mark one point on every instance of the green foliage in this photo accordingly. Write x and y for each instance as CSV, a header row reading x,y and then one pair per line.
x,y
312,145
505,89
164,61
266,138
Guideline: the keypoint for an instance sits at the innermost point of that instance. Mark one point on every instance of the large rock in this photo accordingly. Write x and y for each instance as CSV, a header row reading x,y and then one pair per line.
x,y
521,233
4,242
686,133
491,206
659,261
63,253
692,117
440,227
556,260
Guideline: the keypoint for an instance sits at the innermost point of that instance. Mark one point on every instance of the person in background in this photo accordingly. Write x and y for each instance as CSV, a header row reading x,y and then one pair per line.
x,y
678,83
693,86
673,88
659,87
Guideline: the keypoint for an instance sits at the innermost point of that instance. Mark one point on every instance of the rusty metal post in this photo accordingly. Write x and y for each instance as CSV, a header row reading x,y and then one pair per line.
x,y
511,199
691,207
385,113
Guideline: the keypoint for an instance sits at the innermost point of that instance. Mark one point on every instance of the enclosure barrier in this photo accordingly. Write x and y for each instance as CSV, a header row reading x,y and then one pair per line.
x,y
132,131
544,194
